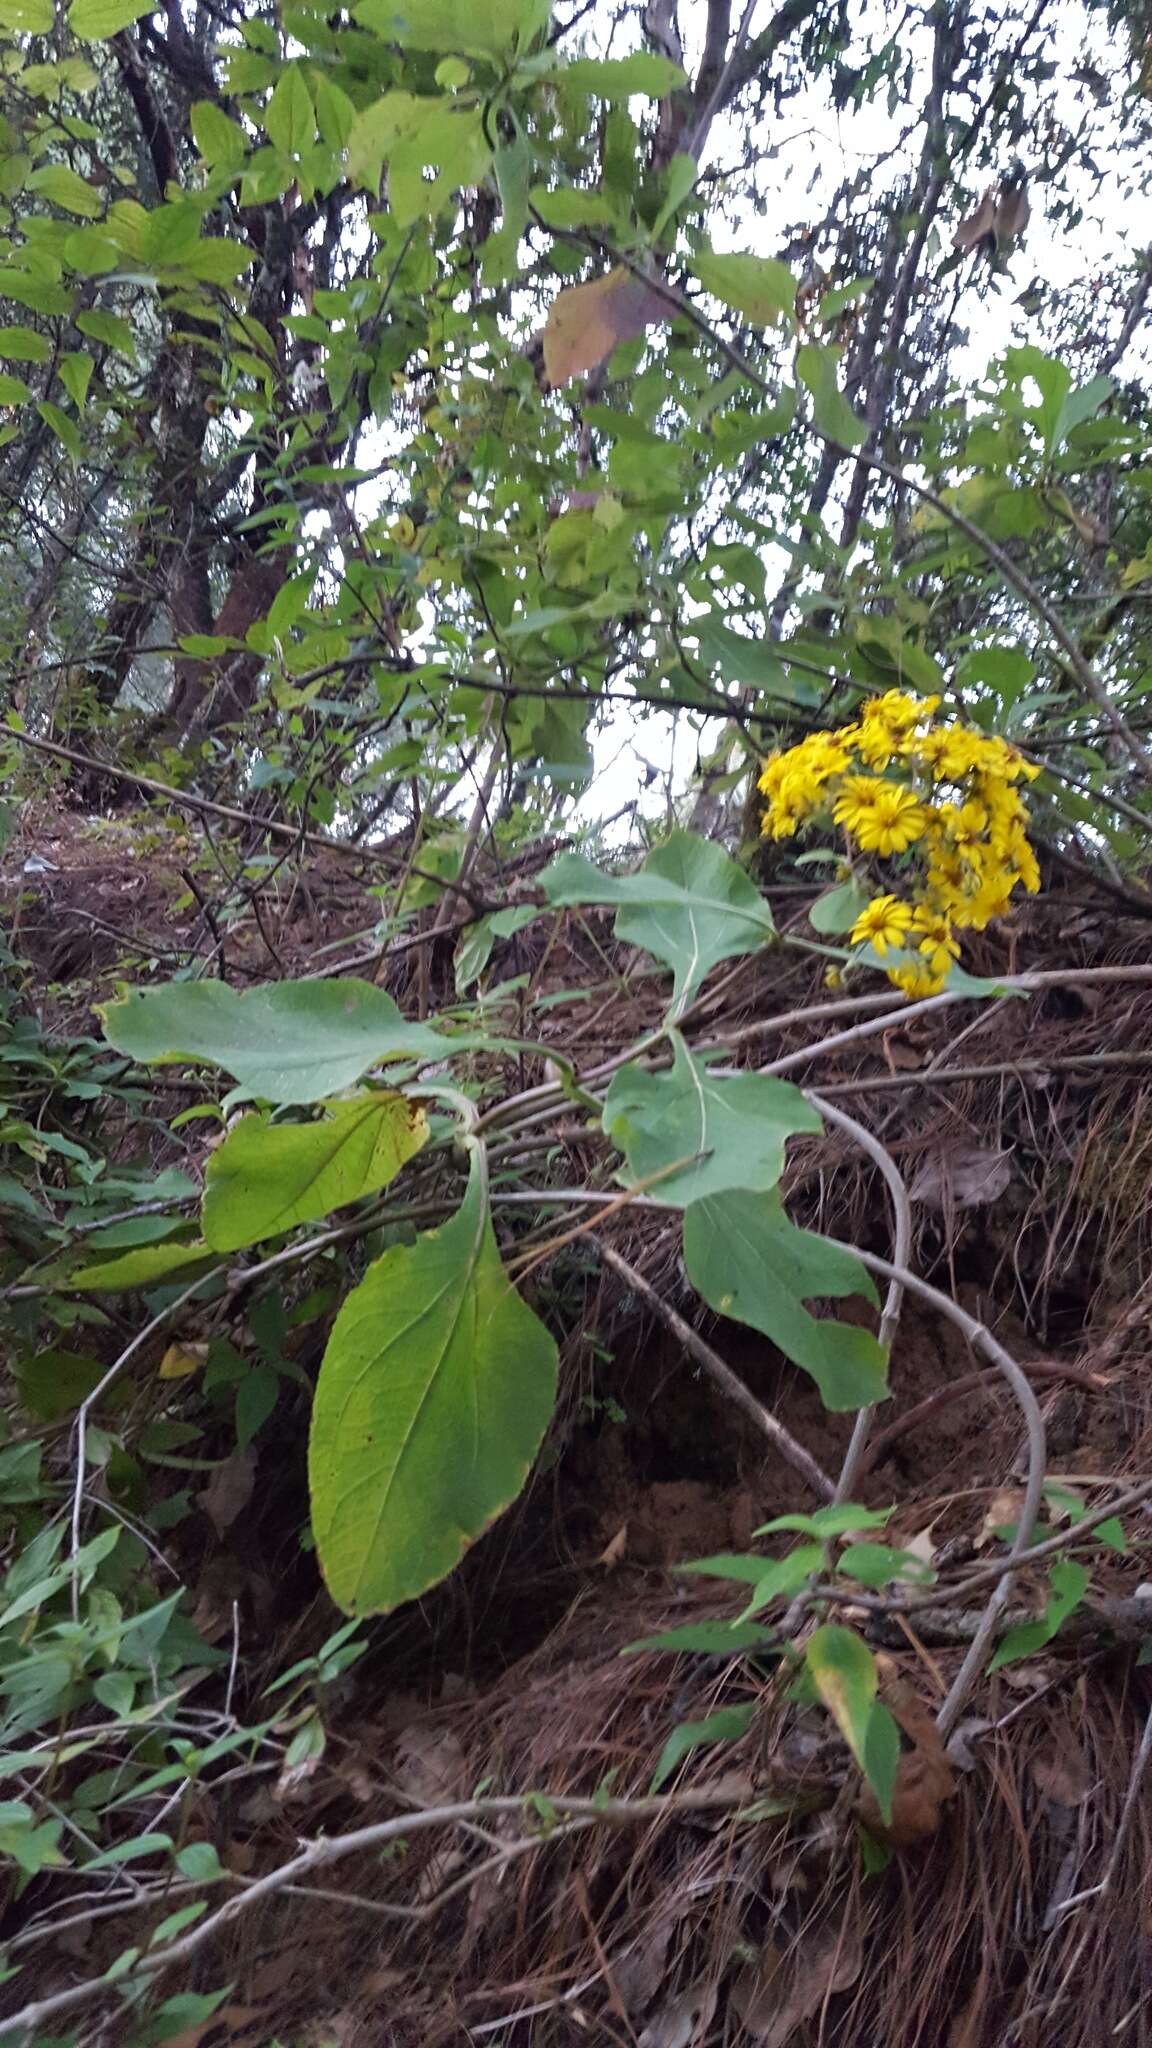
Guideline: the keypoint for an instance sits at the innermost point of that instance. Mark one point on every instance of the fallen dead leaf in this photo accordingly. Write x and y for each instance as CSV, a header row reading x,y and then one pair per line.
x,y
639,1973
967,1177
921,1545
430,1764
1002,1512
775,1995
960,1752
1062,1773
999,220
682,2021
924,1777
613,1552
229,1490
587,321
294,1780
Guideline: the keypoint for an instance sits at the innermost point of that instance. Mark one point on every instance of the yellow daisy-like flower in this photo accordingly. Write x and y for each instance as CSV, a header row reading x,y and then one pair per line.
x,y
935,940
881,816
900,709
916,982
883,924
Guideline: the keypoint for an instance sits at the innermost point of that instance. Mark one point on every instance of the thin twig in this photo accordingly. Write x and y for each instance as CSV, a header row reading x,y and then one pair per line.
x,y
901,1252
982,1339
88,1403
327,1850
781,1438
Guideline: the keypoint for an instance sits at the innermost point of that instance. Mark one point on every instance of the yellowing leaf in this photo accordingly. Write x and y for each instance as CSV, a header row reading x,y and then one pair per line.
x,y
266,1177
180,1361
587,321
843,1670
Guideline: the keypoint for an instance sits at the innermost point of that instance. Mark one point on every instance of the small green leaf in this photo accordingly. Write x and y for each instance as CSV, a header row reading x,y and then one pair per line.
x,y
144,1267
1067,1585
832,1521
67,189
707,1638
747,1571
24,345
97,19
435,1390
838,910
881,1759
567,207
750,1262
28,17
289,119
835,419
13,390
76,375
618,78
219,140
877,1564
759,287
784,1577
39,294
267,1177
726,1725
475,28
63,428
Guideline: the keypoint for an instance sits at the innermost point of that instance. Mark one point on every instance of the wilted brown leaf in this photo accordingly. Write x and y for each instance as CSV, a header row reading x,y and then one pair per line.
x,y
999,220
1002,1511
924,1778
430,1764
229,1490
587,321
971,232
614,1551
967,1177
775,1995
682,2021
1062,1773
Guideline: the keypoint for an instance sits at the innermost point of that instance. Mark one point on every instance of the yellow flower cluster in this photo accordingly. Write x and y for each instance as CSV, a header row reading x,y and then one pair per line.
x,y
939,797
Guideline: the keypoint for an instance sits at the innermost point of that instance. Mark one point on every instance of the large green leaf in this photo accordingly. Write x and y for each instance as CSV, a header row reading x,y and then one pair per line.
x,y
286,1041
740,1123
475,28
436,1388
750,1262
689,904
757,286
265,1177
